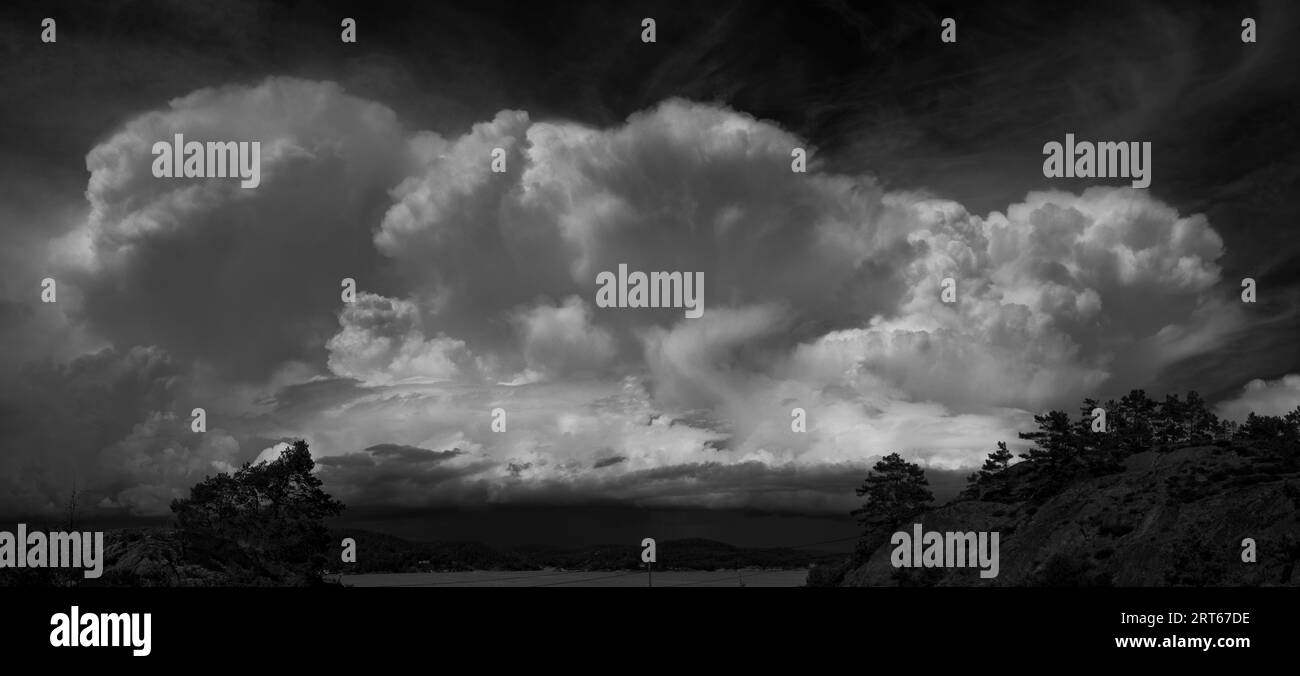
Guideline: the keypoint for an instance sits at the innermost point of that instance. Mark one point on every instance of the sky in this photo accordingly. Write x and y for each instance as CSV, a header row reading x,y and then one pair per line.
x,y
476,290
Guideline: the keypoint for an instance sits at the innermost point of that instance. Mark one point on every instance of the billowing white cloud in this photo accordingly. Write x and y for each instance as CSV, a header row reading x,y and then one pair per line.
x,y
822,292
1061,296
270,453
684,186
560,341
243,279
382,341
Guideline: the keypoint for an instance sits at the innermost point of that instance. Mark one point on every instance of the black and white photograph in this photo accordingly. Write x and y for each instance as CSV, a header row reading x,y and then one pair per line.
x,y
416,304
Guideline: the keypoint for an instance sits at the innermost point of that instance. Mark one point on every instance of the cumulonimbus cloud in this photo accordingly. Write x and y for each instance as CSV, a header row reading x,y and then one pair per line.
x,y
241,279
1058,295
823,292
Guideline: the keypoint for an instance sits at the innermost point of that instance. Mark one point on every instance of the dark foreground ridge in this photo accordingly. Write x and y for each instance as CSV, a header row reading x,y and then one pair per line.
x,y
1167,496
1175,518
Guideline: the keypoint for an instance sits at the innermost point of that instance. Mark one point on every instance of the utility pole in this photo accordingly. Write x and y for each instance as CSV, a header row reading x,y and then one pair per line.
x,y
72,504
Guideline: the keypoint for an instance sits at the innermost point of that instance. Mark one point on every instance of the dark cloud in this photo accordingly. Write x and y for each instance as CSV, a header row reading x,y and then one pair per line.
x,y
346,461
421,479
400,475
58,420
411,454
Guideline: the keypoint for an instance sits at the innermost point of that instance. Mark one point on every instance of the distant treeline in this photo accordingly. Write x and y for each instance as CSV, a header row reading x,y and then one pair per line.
x,y
381,553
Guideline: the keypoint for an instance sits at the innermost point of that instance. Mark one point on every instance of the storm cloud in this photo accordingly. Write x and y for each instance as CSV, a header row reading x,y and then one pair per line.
x,y
822,289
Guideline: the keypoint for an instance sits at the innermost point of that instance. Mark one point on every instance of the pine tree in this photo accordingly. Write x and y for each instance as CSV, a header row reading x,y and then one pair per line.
x,y
1087,441
1137,413
996,462
895,490
1281,430
1171,421
1114,419
1230,429
1201,422
1054,439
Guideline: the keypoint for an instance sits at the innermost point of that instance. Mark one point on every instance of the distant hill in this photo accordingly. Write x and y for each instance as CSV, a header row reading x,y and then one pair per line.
x,y
157,557
1174,516
381,553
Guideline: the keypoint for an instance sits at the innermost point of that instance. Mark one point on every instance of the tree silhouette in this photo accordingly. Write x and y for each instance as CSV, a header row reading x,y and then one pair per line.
x,y
1066,452
1137,415
977,484
1273,429
1172,420
895,490
998,460
266,519
1054,440
1201,423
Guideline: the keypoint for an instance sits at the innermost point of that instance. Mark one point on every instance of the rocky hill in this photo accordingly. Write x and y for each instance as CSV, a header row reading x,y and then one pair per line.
x,y
1174,516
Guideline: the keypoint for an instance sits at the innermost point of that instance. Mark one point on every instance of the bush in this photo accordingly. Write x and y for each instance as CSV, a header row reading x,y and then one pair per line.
x,y
1063,570
827,575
